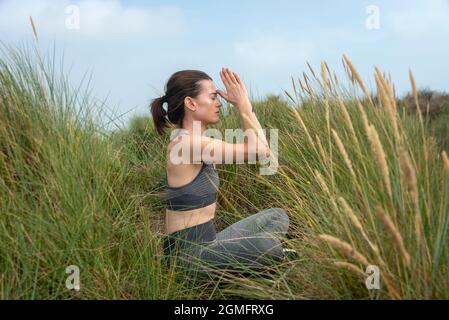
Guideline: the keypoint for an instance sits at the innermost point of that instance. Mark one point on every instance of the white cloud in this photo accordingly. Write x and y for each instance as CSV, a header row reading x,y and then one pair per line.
x,y
98,19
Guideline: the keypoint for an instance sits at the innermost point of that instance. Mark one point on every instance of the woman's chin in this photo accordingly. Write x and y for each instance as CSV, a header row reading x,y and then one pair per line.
x,y
217,120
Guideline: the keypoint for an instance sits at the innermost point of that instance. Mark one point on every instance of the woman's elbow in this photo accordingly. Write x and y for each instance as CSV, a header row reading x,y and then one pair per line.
x,y
263,153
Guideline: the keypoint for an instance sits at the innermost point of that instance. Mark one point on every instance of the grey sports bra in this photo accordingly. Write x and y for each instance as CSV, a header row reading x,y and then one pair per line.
x,y
198,193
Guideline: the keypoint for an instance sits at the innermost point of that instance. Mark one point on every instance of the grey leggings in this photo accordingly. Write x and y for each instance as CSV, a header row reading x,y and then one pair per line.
x,y
251,243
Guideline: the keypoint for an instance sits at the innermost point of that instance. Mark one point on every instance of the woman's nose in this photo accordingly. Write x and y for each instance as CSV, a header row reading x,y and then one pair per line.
x,y
220,104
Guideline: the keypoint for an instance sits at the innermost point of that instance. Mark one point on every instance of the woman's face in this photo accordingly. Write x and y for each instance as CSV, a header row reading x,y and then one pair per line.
x,y
208,103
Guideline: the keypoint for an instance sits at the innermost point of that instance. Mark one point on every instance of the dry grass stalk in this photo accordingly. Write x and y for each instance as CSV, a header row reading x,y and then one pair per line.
x,y
320,148
364,117
445,161
328,120
345,248
347,118
323,186
415,95
301,122
357,77
351,267
311,70
357,223
394,234
309,87
380,157
388,100
34,29
324,76
388,90
408,176
302,87
328,70
336,79
296,91
321,182
343,152
290,97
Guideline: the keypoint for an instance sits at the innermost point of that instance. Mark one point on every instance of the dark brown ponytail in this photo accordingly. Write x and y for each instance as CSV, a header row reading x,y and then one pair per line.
x,y
159,114
181,84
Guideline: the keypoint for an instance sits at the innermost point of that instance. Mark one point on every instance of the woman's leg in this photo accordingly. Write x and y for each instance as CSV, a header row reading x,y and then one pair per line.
x,y
272,220
246,245
248,254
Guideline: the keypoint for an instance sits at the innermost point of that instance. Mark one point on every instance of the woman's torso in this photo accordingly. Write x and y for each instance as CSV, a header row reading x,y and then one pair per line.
x,y
178,176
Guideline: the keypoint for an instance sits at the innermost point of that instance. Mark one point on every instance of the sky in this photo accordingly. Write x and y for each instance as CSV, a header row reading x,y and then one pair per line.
x,y
130,48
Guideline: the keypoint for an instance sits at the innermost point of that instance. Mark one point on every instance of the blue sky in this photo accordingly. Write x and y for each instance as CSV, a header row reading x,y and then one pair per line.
x,y
132,47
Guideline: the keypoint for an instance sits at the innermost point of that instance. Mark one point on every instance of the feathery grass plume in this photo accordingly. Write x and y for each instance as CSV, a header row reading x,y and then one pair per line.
x,y
364,117
415,95
347,71
388,100
327,68
324,76
311,71
347,118
380,157
321,182
325,188
327,115
351,267
394,234
445,161
345,248
309,87
330,81
290,97
357,223
34,28
296,91
343,152
408,176
357,77
388,90
301,122
337,83
302,87
320,147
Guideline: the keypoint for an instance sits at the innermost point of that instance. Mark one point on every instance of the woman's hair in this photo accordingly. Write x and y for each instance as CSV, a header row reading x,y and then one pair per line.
x,y
181,84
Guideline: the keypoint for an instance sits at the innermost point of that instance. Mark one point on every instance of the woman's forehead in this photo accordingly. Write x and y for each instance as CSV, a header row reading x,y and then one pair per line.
x,y
209,86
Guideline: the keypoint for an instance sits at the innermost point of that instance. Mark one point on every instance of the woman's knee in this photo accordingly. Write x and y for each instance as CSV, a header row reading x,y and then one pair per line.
x,y
279,214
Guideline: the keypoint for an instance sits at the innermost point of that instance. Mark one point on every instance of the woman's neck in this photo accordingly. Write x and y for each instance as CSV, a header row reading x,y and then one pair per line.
x,y
194,127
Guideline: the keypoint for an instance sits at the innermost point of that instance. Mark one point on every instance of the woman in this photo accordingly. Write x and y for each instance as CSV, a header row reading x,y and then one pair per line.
x,y
191,240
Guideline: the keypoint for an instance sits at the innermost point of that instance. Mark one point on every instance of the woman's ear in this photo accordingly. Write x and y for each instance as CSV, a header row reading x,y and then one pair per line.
x,y
189,103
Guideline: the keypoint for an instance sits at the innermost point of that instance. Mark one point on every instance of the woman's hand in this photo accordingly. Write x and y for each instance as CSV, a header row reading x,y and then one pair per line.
x,y
236,92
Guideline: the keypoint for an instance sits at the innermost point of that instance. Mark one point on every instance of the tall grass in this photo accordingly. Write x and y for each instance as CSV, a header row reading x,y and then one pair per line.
x,y
362,181
68,194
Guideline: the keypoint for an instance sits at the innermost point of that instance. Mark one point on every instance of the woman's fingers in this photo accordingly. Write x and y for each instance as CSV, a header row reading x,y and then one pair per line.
x,y
237,78
231,76
224,95
225,78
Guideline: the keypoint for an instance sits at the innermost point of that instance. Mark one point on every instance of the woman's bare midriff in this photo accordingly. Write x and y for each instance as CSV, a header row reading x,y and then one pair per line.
x,y
178,220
